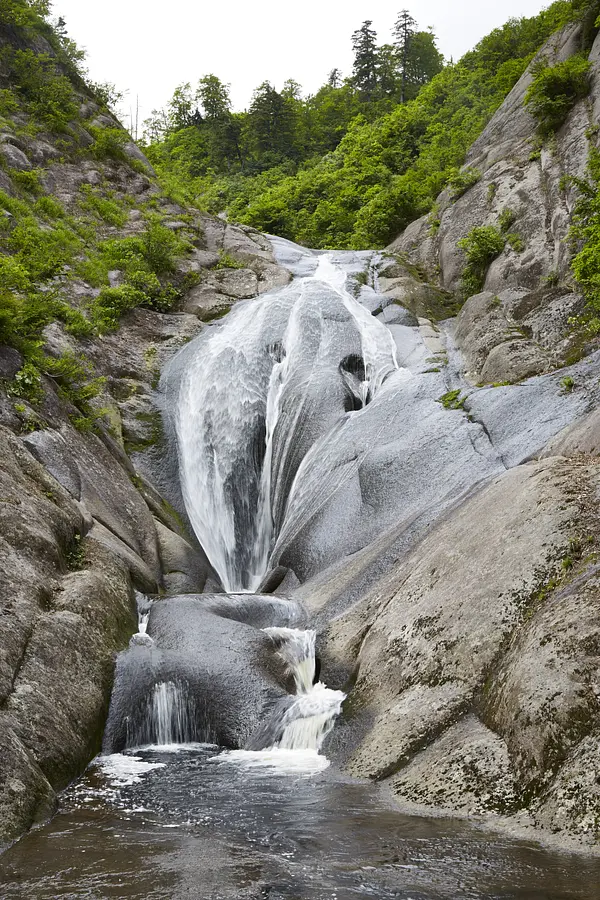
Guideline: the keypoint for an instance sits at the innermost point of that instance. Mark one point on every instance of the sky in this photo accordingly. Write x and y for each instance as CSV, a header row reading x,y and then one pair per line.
x,y
146,48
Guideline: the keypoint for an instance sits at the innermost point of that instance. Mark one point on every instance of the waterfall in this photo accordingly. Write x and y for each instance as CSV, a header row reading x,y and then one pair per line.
x,y
304,723
169,717
254,395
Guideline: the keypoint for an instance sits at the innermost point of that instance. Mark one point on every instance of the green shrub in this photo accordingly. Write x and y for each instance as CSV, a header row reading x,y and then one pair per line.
x,y
462,181
109,143
226,261
27,180
49,208
106,208
27,383
515,241
482,245
555,90
49,95
452,400
506,218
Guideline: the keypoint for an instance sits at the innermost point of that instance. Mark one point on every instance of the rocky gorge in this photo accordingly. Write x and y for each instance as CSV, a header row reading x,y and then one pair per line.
x,y
432,502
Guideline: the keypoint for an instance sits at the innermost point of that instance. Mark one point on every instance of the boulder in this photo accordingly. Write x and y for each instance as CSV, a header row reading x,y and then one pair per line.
x,y
223,671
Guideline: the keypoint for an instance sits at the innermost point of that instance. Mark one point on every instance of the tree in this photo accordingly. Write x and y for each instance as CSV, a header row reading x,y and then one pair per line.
x,y
387,71
334,79
364,75
418,56
404,30
213,97
270,124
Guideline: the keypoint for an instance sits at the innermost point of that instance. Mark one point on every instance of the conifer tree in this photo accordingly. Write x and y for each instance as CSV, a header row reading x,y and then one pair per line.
x,y
364,76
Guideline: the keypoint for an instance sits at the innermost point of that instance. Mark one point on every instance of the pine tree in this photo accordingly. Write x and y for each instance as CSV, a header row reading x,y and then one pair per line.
x,y
404,30
364,76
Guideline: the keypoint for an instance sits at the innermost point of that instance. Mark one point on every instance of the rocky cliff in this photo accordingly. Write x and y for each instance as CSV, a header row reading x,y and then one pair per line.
x,y
81,526
474,656
466,626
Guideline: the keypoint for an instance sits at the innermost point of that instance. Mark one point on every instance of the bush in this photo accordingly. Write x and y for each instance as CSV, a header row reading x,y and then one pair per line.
x,y
482,245
462,181
106,208
49,95
109,143
555,90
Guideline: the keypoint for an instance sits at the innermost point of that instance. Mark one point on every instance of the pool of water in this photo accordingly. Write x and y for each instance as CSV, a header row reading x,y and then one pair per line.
x,y
200,824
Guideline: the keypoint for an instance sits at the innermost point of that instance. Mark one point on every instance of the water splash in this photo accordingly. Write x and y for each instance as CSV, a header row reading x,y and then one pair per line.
x,y
304,723
297,649
169,718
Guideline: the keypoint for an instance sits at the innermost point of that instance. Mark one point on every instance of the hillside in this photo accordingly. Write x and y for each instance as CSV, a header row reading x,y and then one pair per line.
x,y
97,268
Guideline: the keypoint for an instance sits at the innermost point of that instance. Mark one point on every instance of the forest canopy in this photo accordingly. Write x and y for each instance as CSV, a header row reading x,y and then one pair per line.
x,y
353,164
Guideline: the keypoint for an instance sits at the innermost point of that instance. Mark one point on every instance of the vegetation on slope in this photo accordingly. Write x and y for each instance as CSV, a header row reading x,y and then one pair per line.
x,y
385,171
62,238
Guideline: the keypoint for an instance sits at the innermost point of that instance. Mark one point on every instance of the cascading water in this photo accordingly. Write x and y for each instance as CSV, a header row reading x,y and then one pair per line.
x,y
304,723
255,395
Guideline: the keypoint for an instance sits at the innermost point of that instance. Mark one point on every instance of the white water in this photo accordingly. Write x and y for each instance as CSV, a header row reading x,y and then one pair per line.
x,y
309,719
171,715
297,649
246,396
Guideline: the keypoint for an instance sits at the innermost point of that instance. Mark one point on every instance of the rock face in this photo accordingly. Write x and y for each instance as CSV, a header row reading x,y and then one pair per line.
x,y
529,296
222,665
83,515
475,661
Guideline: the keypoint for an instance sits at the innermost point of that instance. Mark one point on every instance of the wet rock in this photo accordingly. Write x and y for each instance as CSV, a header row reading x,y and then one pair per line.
x,y
10,362
467,769
543,699
429,632
513,361
241,284
221,666
581,437
185,568
26,796
206,303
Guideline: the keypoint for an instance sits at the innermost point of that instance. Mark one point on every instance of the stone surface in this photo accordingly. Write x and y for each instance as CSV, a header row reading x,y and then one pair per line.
x,y
513,180
217,659
433,628
466,769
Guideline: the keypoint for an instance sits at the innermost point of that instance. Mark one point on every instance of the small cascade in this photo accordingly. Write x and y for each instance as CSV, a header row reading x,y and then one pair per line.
x,y
169,718
172,714
297,649
304,723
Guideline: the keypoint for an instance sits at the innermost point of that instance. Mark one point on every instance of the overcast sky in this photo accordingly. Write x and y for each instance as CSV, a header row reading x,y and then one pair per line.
x,y
147,47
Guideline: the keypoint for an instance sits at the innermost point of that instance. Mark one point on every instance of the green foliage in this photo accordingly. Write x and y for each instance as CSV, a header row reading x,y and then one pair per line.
x,y
351,166
506,218
555,90
48,94
462,181
482,245
515,241
27,180
585,237
75,554
452,400
105,207
49,208
109,143
227,261
27,383
567,384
